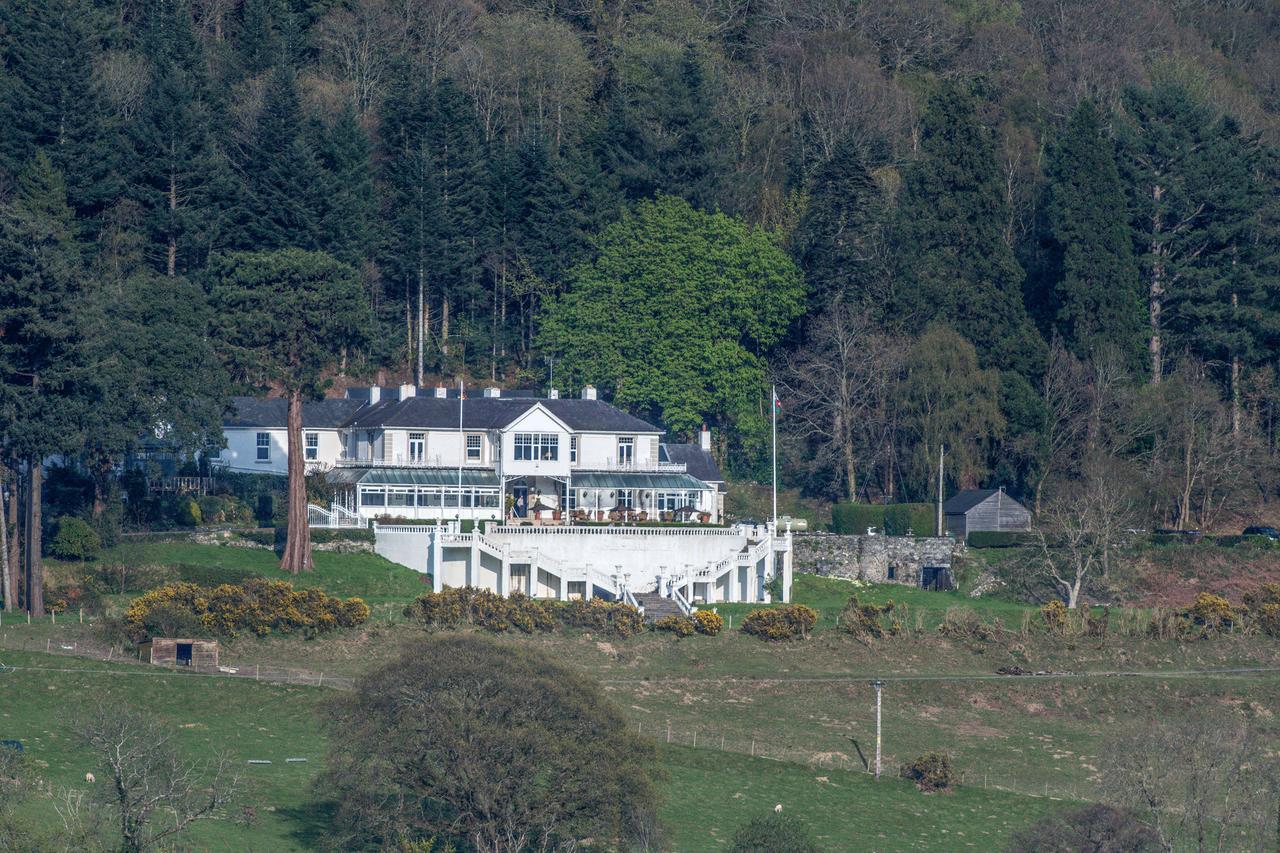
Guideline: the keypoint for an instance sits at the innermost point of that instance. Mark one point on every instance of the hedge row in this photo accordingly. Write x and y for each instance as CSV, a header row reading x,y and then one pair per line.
x,y
889,519
455,607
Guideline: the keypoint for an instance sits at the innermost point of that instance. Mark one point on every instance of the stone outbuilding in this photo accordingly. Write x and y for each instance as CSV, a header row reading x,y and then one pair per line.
x,y
985,510
174,651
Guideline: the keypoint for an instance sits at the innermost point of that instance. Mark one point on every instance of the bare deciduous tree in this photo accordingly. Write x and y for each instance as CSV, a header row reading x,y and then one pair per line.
x,y
155,790
357,44
834,388
1080,525
1209,783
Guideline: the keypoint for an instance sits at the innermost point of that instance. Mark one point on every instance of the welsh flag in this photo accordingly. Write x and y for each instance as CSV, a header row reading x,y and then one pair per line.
x,y
777,404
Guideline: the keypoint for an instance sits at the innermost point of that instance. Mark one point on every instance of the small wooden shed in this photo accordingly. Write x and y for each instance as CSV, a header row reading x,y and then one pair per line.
x,y
974,510
177,651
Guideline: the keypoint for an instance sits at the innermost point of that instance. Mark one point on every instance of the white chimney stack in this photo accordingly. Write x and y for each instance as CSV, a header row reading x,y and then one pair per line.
x,y
553,394
492,392
588,392
441,392
407,391
704,438
375,394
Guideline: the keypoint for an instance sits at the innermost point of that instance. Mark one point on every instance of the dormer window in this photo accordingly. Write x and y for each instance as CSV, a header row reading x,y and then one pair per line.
x,y
537,447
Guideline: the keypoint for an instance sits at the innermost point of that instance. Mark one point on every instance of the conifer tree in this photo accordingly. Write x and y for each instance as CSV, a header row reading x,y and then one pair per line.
x,y
695,159
44,383
52,103
957,267
351,203
177,173
840,234
1099,303
1193,190
282,184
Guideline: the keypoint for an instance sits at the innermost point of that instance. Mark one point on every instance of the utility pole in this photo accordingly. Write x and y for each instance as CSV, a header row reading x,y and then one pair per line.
x,y
878,685
942,454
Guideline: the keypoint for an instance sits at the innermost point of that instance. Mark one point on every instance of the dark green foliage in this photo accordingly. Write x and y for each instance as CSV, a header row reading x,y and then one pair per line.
x,y
188,514
531,750
1099,303
75,540
773,833
282,200
839,241
956,264
1097,827
932,772
284,316
853,519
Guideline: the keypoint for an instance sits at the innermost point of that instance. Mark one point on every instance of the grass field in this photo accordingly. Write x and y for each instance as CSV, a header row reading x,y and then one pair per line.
x,y
742,724
708,793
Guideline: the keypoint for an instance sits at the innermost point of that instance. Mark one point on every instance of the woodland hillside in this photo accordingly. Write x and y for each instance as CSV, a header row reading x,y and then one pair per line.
x,y
1043,234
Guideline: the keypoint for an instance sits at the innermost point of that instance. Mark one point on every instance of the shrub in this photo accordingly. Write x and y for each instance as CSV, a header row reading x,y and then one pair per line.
x,y
454,607
964,623
708,622
773,833
788,622
1264,609
932,772
1208,616
75,540
681,626
616,618
188,513
868,620
897,520
1054,615
257,606
854,519
224,509
1094,827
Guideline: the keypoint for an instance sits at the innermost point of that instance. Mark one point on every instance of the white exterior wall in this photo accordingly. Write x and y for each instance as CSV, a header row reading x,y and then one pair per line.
x,y
443,447
241,452
599,450
536,420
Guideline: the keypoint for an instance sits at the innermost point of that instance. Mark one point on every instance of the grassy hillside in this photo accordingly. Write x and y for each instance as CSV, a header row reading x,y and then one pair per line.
x,y
708,793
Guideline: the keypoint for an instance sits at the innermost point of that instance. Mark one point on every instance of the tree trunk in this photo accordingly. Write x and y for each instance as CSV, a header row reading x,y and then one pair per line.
x,y
297,545
14,551
1155,292
422,275
171,260
444,326
1073,595
7,584
35,570
850,470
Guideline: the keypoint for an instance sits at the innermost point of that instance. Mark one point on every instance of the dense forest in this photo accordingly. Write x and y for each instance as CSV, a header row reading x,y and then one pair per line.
x,y
1045,235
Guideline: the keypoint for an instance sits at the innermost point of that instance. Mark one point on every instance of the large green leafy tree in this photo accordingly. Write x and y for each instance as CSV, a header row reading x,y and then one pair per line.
x,y
531,755
177,173
45,388
282,321
947,400
1099,301
957,267
839,242
676,316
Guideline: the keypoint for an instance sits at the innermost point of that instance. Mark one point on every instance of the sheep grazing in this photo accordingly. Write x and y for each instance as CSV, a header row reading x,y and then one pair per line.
x,y
777,809
88,777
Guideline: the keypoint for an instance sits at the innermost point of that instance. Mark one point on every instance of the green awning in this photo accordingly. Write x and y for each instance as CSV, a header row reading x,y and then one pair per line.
x,y
412,477
634,480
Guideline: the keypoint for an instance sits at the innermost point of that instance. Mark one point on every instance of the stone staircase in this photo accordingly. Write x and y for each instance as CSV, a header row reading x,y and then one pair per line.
x,y
655,606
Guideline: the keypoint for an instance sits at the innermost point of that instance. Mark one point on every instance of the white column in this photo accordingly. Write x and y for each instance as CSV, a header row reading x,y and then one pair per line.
x,y
504,581
437,561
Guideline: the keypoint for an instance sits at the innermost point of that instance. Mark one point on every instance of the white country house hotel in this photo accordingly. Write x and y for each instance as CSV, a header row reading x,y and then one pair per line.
x,y
570,497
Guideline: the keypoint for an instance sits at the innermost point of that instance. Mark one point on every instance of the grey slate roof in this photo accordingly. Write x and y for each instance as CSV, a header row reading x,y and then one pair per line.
x,y
963,501
495,413
272,413
697,462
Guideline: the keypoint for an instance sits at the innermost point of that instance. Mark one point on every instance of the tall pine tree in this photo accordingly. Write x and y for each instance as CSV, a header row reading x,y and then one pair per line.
x,y
1099,303
840,239
957,267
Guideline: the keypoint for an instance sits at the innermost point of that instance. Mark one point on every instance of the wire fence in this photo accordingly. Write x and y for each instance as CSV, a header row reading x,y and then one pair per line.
x,y
87,648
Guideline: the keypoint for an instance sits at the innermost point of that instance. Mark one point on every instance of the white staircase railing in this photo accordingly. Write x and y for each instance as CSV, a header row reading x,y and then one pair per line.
x,y
334,516
685,607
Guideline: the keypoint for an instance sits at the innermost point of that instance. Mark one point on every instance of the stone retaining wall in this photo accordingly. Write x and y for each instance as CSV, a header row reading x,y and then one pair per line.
x,y
871,558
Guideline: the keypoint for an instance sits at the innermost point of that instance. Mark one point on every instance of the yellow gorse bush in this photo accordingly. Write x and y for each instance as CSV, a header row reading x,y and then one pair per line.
x,y
257,606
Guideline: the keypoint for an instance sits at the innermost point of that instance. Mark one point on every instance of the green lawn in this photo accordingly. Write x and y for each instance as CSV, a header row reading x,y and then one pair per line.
x,y
368,576
708,792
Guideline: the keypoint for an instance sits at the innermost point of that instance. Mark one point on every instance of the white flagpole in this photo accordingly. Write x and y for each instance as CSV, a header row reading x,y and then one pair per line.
x,y
773,408
462,452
